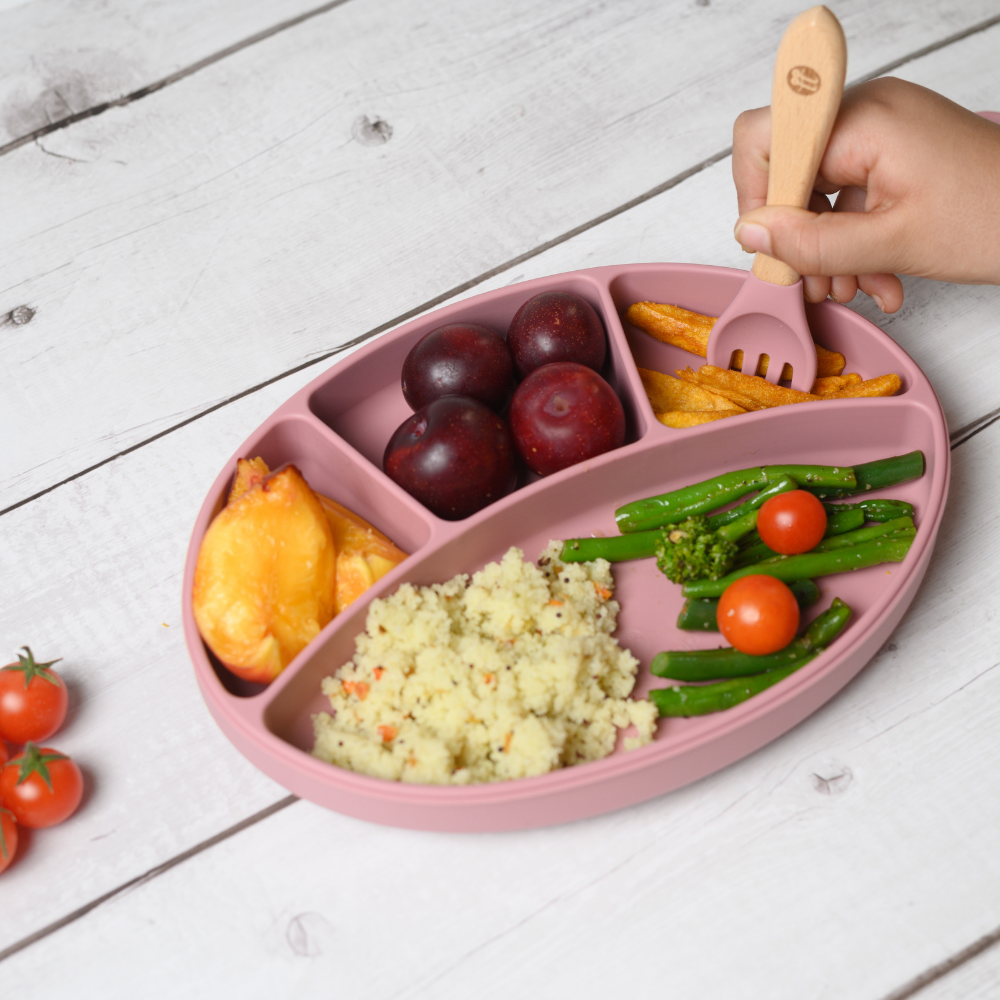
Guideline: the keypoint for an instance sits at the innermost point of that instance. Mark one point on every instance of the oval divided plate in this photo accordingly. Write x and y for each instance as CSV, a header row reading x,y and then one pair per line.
x,y
336,428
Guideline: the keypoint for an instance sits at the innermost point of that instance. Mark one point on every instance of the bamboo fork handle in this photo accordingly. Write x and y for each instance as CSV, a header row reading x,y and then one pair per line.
x,y
808,83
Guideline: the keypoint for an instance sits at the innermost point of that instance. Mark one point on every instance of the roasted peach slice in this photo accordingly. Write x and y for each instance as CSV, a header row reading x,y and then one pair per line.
x,y
249,472
364,554
264,582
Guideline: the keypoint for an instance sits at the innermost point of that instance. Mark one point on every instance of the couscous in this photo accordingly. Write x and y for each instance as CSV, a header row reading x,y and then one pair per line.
x,y
509,675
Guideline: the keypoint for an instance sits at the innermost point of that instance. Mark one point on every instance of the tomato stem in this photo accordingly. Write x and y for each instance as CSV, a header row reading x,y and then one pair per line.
x,y
32,670
36,761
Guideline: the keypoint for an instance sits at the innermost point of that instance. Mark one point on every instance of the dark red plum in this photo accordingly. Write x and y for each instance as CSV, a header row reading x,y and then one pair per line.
x,y
460,359
454,455
562,414
556,326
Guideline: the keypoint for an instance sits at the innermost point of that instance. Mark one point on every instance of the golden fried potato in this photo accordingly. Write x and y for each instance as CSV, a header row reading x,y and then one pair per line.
x,y
265,576
689,331
672,325
882,385
832,384
691,418
667,394
749,391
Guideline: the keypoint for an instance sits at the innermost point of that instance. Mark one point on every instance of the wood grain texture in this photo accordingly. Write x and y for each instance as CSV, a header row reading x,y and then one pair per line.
x,y
75,576
842,860
976,978
62,59
92,573
191,245
231,244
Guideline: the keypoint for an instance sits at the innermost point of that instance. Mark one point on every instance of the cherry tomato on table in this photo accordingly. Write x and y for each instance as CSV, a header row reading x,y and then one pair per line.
x,y
8,838
33,700
40,786
791,523
757,614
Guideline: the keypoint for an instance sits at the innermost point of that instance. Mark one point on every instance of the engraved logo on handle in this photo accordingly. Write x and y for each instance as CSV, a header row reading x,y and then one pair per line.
x,y
804,80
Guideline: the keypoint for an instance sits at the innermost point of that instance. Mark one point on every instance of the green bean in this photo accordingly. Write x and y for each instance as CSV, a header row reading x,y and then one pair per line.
x,y
809,565
703,699
641,544
700,498
875,509
698,613
710,664
896,527
836,524
827,626
877,475
783,484
616,548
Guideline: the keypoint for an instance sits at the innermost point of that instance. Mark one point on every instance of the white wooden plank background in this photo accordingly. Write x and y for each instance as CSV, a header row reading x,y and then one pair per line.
x,y
819,846
228,227
94,566
62,58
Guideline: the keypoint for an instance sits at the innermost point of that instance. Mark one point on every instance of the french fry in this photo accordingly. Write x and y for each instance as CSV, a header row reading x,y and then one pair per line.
x,y
749,391
827,363
832,384
691,418
689,331
882,385
668,394
672,325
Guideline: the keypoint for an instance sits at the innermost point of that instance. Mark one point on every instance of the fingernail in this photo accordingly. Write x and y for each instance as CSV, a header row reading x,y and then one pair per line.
x,y
879,302
754,237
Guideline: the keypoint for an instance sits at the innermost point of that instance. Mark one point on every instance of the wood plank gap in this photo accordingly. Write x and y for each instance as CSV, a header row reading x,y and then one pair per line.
x,y
936,972
152,88
971,430
927,50
395,321
139,880
456,290
906,991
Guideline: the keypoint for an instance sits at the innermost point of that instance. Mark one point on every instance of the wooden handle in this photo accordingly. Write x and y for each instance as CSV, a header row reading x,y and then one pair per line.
x,y
808,82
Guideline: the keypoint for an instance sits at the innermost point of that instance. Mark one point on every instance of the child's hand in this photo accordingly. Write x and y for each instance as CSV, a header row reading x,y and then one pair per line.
x,y
919,182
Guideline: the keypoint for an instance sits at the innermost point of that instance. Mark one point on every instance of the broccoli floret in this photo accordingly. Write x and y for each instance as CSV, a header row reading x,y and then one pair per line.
x,y
692,551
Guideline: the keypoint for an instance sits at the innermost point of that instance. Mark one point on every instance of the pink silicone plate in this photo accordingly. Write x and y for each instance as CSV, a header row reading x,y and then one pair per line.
x,y
335,431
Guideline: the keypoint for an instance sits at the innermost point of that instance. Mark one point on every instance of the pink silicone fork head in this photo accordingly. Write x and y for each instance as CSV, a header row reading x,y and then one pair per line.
x,y
766,319
767,316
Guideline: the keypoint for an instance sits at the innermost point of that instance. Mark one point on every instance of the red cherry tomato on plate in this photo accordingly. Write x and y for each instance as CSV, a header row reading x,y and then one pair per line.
x,y
791,523
33,700
8,838
4,755
757,614
40,786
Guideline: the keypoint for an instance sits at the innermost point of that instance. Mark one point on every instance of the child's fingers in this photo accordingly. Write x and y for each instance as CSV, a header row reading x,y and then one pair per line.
x,y
850,199
815,288
751,152
826,244
843,287
885,289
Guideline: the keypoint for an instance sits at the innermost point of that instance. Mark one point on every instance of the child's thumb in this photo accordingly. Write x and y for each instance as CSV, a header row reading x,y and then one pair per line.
x,y
831,243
